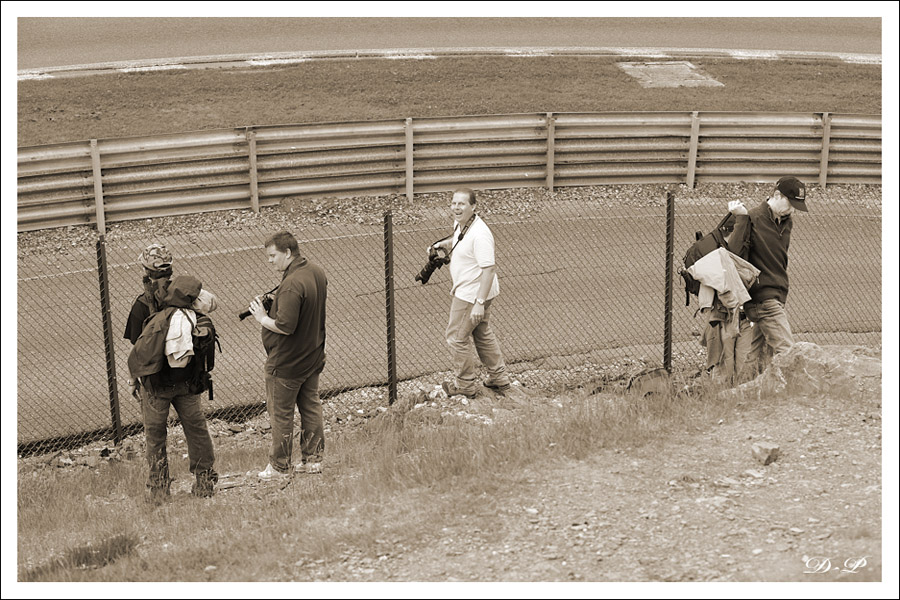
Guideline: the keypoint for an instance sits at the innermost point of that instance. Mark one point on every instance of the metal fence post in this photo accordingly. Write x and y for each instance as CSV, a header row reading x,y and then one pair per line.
x,y
826,143
670,252
551,158
410,182
692,151
389,305
98,187
254,177
112,382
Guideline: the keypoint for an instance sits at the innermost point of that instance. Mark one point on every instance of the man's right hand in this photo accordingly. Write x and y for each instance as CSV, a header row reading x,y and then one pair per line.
x,y
132,388
736,207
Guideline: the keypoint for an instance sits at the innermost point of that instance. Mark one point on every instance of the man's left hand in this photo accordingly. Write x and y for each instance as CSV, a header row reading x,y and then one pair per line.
x,y
477,314
257,310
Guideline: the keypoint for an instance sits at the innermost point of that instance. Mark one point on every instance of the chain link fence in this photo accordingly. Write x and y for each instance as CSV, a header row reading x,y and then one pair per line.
x,y
579,281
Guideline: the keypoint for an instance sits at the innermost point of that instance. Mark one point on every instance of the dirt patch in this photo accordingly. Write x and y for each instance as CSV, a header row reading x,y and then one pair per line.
x,y
695,506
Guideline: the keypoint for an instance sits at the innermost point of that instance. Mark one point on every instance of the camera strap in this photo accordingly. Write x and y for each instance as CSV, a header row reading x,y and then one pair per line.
x,y
462,233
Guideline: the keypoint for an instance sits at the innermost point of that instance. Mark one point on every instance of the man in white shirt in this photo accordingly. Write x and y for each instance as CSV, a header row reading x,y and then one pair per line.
x,y
475,286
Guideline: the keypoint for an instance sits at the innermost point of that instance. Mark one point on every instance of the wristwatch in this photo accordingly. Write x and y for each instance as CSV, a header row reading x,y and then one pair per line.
x,y
479,301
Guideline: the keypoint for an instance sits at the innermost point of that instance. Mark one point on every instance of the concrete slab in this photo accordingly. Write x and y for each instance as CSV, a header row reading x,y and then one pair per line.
x,y
670,73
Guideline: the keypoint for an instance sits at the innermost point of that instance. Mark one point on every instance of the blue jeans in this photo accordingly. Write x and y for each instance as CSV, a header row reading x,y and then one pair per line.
x,y
155,412
281,396
770,328
460,336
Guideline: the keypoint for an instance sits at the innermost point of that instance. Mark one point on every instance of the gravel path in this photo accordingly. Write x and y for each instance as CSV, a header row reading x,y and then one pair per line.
x,y
292,214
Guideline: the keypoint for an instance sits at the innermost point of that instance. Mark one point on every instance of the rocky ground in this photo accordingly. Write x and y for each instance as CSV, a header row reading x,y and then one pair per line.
x,y
701,505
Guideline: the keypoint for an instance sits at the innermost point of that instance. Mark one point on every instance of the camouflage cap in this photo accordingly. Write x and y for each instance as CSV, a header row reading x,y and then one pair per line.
x,y
155,257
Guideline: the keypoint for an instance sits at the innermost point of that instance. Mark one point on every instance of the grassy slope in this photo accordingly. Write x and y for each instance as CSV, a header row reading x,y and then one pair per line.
x,y
53,111
394,478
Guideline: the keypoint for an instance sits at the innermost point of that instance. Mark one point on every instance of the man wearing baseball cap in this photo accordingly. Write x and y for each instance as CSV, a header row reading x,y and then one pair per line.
x,y
762,236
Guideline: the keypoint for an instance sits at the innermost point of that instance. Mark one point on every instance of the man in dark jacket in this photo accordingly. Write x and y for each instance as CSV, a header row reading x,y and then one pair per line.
x,y
293,335
762,236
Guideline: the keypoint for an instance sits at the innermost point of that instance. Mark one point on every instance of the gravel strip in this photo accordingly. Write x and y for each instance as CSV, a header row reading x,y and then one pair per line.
x,y
369,210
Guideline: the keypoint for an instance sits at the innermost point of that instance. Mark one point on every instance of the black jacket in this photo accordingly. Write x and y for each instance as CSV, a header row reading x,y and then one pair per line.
x,y
763,241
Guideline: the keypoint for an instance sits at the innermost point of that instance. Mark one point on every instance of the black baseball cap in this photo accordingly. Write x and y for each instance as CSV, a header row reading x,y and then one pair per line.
x,y
794,190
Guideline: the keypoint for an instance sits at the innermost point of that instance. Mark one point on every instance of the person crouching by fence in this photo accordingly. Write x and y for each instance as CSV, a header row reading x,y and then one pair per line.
x,y
293,335
165,372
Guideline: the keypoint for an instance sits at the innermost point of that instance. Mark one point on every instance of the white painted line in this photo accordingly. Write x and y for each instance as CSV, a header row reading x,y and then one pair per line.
x,y
151,68
641,52
432,53
27,76
409,56
528,52
263,62
754,54
862,59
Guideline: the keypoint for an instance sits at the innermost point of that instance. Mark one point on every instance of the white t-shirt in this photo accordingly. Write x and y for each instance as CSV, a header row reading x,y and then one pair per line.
x,y
473,254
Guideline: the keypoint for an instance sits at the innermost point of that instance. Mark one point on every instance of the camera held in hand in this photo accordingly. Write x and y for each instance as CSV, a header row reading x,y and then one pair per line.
x,y
266,300
437,258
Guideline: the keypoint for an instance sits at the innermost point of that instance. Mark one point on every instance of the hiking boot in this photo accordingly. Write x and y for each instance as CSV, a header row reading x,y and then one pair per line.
x,y
205,486
272,474
498,388
451,389
313,468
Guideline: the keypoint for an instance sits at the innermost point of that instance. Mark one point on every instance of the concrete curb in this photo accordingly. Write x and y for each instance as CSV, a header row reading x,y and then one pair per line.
x,y
276,58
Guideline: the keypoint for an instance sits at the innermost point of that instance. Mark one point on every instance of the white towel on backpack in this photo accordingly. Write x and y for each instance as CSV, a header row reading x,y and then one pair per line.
x,y
724,274
179,341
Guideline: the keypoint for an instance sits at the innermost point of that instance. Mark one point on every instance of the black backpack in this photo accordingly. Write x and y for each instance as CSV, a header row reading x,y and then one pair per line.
x,y
205,340
703,245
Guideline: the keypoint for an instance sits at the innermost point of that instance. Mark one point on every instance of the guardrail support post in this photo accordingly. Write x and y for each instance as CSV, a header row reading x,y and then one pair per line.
x,y
106,312
254,178
389,305
692,151
409,160
98,187
670,254
551,158
826,143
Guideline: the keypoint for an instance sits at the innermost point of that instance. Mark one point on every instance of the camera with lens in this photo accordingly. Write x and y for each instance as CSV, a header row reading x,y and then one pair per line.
x,y
437,258
266,300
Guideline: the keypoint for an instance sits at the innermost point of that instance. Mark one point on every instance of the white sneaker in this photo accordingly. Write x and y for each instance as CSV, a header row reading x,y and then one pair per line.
x,y
309,468
272,474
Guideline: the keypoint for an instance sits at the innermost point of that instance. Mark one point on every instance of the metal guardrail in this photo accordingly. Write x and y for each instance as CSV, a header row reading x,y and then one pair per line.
x,y
121,179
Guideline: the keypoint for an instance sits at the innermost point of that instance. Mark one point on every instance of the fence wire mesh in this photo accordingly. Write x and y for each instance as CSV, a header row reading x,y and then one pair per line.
x,y
580,281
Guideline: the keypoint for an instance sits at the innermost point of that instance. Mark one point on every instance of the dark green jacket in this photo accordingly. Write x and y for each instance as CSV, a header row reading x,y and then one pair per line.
x,y
763,241
148,356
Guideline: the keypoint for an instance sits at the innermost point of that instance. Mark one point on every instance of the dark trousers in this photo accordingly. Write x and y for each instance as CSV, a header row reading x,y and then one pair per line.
x,y
281,396
155,411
